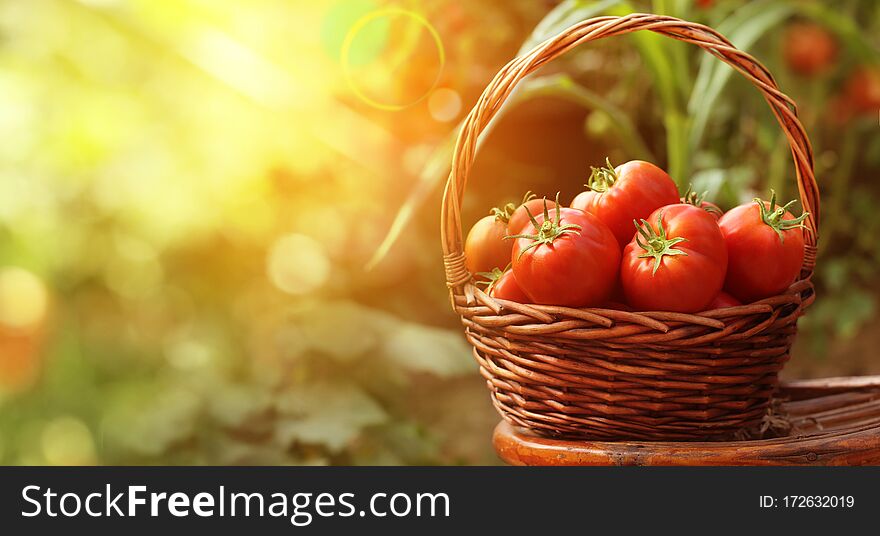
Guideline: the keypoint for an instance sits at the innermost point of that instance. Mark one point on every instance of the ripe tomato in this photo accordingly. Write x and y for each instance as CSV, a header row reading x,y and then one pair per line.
x,y
519,217
677,263
617,306
698,200
723,300
566,257
503,285
766,247
862,90
485,247
809,49
631,191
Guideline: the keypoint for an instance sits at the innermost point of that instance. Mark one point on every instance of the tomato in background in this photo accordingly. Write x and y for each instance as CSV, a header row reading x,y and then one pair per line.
x,y
862,90
766,248
566,257
809,49
676,261
631,191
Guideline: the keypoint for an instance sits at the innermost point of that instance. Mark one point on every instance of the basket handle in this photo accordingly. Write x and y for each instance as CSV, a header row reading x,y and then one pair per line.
x,y
500,88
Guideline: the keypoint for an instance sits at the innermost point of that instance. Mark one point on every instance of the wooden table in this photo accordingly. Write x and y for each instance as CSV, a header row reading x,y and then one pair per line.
x,y
836,422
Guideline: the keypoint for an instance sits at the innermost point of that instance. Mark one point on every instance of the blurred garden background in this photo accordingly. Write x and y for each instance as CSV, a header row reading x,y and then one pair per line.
x,y
219,238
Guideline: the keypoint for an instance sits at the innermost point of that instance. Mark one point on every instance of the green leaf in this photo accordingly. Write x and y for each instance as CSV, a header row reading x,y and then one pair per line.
x,y
235,405
435,170
328,414
743,28
563,16
149,420
425,349
726,187
342,330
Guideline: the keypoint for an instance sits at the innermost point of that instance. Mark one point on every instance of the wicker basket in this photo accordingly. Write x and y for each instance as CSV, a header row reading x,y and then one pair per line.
x,y
608,374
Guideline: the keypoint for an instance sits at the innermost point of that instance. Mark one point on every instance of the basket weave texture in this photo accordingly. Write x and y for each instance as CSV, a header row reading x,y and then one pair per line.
x,y
609,374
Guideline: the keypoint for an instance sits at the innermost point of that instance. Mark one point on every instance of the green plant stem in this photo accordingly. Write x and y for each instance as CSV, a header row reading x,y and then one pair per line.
x,y
833,209
661,63
778,167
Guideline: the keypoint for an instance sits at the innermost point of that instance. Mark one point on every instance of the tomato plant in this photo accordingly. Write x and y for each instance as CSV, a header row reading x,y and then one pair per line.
x,y
809,49
699,200
631,191
677,263
862,90
570,258
519,216
766,247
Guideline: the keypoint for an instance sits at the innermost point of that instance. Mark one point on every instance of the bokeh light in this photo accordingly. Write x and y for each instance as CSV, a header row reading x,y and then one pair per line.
x,y
68,441
444,104
24,299
298,264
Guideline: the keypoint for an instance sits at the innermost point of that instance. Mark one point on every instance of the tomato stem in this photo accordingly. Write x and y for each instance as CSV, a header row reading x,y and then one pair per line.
x,y
490,278
774,216
655,243
548,230
601,178
693,198
504,213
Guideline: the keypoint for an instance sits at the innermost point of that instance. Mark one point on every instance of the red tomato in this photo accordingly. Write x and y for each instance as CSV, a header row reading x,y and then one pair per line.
x,y
809,49
766,247
485,247
566,257
723,300
617,306
862,90
677,263
505,287
631,191
519,218
698,200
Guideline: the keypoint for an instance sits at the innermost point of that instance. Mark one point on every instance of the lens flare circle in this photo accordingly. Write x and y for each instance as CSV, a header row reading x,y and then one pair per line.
x,y
345,56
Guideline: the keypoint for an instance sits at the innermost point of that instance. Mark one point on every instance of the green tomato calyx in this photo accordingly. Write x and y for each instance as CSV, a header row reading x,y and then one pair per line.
x,y
655,243
602,178
490,278
548,230
774,216
504,213
693,198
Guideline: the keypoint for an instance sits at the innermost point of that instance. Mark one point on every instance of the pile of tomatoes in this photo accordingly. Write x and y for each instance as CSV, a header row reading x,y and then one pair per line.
x,y
630,242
